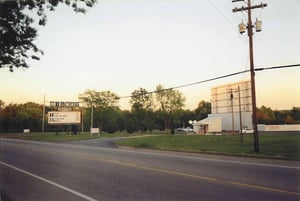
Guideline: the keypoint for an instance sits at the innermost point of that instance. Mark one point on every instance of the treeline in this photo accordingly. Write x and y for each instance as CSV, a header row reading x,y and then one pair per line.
x,y
17,117
149,111
143,116
266,115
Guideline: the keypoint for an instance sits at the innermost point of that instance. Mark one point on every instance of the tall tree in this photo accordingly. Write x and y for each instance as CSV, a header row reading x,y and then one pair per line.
x,y
17,31
169,100
100,99
142,109
203,109
141,99
105,107
265,115
30,115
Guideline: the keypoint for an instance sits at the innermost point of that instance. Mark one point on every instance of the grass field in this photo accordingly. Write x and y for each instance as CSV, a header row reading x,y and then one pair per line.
x,y
280,145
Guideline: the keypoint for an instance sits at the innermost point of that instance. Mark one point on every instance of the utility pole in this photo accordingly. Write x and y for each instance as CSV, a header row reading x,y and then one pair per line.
x,y
92,118
43,121
82,120
232,111
242,29
240,113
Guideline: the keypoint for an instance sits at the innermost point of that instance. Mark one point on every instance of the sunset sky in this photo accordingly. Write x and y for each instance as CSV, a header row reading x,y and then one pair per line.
x,y
122,45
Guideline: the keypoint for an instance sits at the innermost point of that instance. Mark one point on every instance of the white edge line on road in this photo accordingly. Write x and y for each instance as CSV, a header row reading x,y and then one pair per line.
x,y
49,182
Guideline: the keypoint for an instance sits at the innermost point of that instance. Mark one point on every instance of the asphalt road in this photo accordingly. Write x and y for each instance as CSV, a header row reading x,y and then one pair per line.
x,y
54,171
102,142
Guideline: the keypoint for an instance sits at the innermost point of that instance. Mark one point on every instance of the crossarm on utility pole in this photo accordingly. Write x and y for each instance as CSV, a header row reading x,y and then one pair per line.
x,y
249,8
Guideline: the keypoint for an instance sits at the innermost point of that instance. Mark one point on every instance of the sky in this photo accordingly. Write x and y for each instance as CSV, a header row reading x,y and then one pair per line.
x,y
124,45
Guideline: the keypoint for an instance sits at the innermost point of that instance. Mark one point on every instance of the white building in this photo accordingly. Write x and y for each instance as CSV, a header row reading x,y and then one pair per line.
x,y
208,125
227,120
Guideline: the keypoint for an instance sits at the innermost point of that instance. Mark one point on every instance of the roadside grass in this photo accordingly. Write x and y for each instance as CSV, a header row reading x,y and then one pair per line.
x,y
279,145
61,136
272,145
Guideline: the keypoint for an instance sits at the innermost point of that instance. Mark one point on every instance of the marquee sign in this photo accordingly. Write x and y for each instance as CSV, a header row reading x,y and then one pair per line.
x,y
64,117
63,104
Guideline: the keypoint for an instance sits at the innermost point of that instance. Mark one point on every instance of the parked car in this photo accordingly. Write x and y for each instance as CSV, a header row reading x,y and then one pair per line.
x,y
186,130
247,130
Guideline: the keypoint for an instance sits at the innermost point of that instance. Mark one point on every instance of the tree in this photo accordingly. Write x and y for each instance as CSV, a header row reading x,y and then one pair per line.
x,y
141,99
17,28
9,114
100,99
296,114
287,116
142,109
184,116
1,104
169,100
109,119
2,114
16,117
105,108
203,109
129,121
289,119
265,115
29,116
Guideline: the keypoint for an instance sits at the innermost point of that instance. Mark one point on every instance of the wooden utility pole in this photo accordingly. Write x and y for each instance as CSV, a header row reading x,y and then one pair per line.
x,y
43,120
248,8
240,113
232,111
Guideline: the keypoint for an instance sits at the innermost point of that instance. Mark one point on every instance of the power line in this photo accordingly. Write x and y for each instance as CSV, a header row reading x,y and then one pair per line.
x,y
277,67
217,78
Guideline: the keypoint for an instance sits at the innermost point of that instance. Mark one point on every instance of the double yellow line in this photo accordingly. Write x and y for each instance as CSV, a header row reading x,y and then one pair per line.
x,y
133,165
138,166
